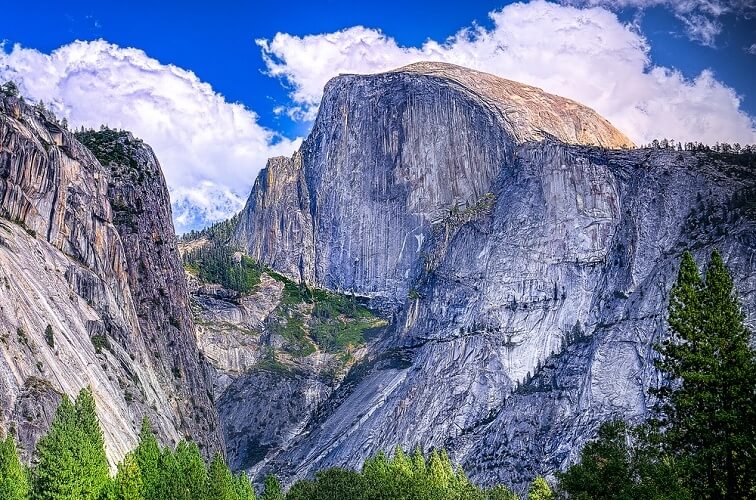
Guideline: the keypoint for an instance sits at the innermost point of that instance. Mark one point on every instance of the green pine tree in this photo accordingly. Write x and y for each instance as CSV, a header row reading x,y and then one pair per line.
x,y
169,483
192,470
147,456
604,470
243,487
14,483
220,482
272,489
540,490
127,485
91,454
71,459
706,410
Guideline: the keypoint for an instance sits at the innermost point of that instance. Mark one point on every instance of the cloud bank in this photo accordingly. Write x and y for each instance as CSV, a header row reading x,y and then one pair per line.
x,y
700,18
210,150
585,54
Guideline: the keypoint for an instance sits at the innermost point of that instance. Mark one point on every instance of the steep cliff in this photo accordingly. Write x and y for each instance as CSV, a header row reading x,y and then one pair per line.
x,y
524,267
93,292
278,349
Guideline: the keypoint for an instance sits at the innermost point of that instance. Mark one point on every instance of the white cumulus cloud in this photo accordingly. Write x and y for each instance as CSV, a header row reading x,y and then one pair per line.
x,y
586,54
210,150
700,18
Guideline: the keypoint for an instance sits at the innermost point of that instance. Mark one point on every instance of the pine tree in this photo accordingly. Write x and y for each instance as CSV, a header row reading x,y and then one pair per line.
x,y
127,485
169,484
540,490
14,484
243,487
272,489
220,482
71,461
91,454
706,409
147,456
192,470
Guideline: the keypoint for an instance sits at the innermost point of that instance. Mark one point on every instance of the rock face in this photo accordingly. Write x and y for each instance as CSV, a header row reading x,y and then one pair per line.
x,y
92,288
525,269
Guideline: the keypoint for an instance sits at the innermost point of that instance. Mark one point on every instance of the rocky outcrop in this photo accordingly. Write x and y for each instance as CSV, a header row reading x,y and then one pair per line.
x,y
525,269
93,292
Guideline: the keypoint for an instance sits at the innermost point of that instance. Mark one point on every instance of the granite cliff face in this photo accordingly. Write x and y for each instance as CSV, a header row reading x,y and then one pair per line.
x,y
525,270
92,287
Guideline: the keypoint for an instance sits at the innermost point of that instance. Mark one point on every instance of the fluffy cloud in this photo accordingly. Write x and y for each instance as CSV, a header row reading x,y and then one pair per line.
x,y
210,150
584,54
699,17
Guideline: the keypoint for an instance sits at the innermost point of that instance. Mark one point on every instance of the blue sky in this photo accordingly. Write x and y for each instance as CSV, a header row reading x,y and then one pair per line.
x,y
702,52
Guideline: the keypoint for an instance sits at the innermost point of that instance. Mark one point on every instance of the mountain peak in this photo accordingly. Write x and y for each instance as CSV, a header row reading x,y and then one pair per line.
x,y
530,113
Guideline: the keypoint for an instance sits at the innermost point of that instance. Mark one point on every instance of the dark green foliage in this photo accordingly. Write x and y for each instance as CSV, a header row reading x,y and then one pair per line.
x,y
14,483
71,460
220,481
706,409
272,489
216,262
619,465
400,477
335,322
49,336
100,342
147,456
114,148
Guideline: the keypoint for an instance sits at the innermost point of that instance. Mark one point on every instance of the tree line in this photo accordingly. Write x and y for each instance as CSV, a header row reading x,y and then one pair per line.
x,y
701,439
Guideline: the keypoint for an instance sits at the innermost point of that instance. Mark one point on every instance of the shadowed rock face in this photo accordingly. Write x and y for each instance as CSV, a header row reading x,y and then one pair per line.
x,y
526,272
92,289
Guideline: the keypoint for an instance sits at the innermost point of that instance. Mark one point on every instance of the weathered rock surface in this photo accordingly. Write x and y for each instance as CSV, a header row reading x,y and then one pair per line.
x,y
90,252
526,272
271,368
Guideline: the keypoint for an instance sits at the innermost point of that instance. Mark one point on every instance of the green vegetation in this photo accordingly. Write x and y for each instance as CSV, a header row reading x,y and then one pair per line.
x,y
14,481
540,490
336,323
306,318
113,148
700,444
399,477
214,260
71,464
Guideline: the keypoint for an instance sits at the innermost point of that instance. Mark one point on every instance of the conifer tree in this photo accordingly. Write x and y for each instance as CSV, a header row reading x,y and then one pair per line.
x,y
147,456
91,454
14,483
193,473
127,485
243,487
540,490
169,484
706,409
272,490
58,471
220,482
